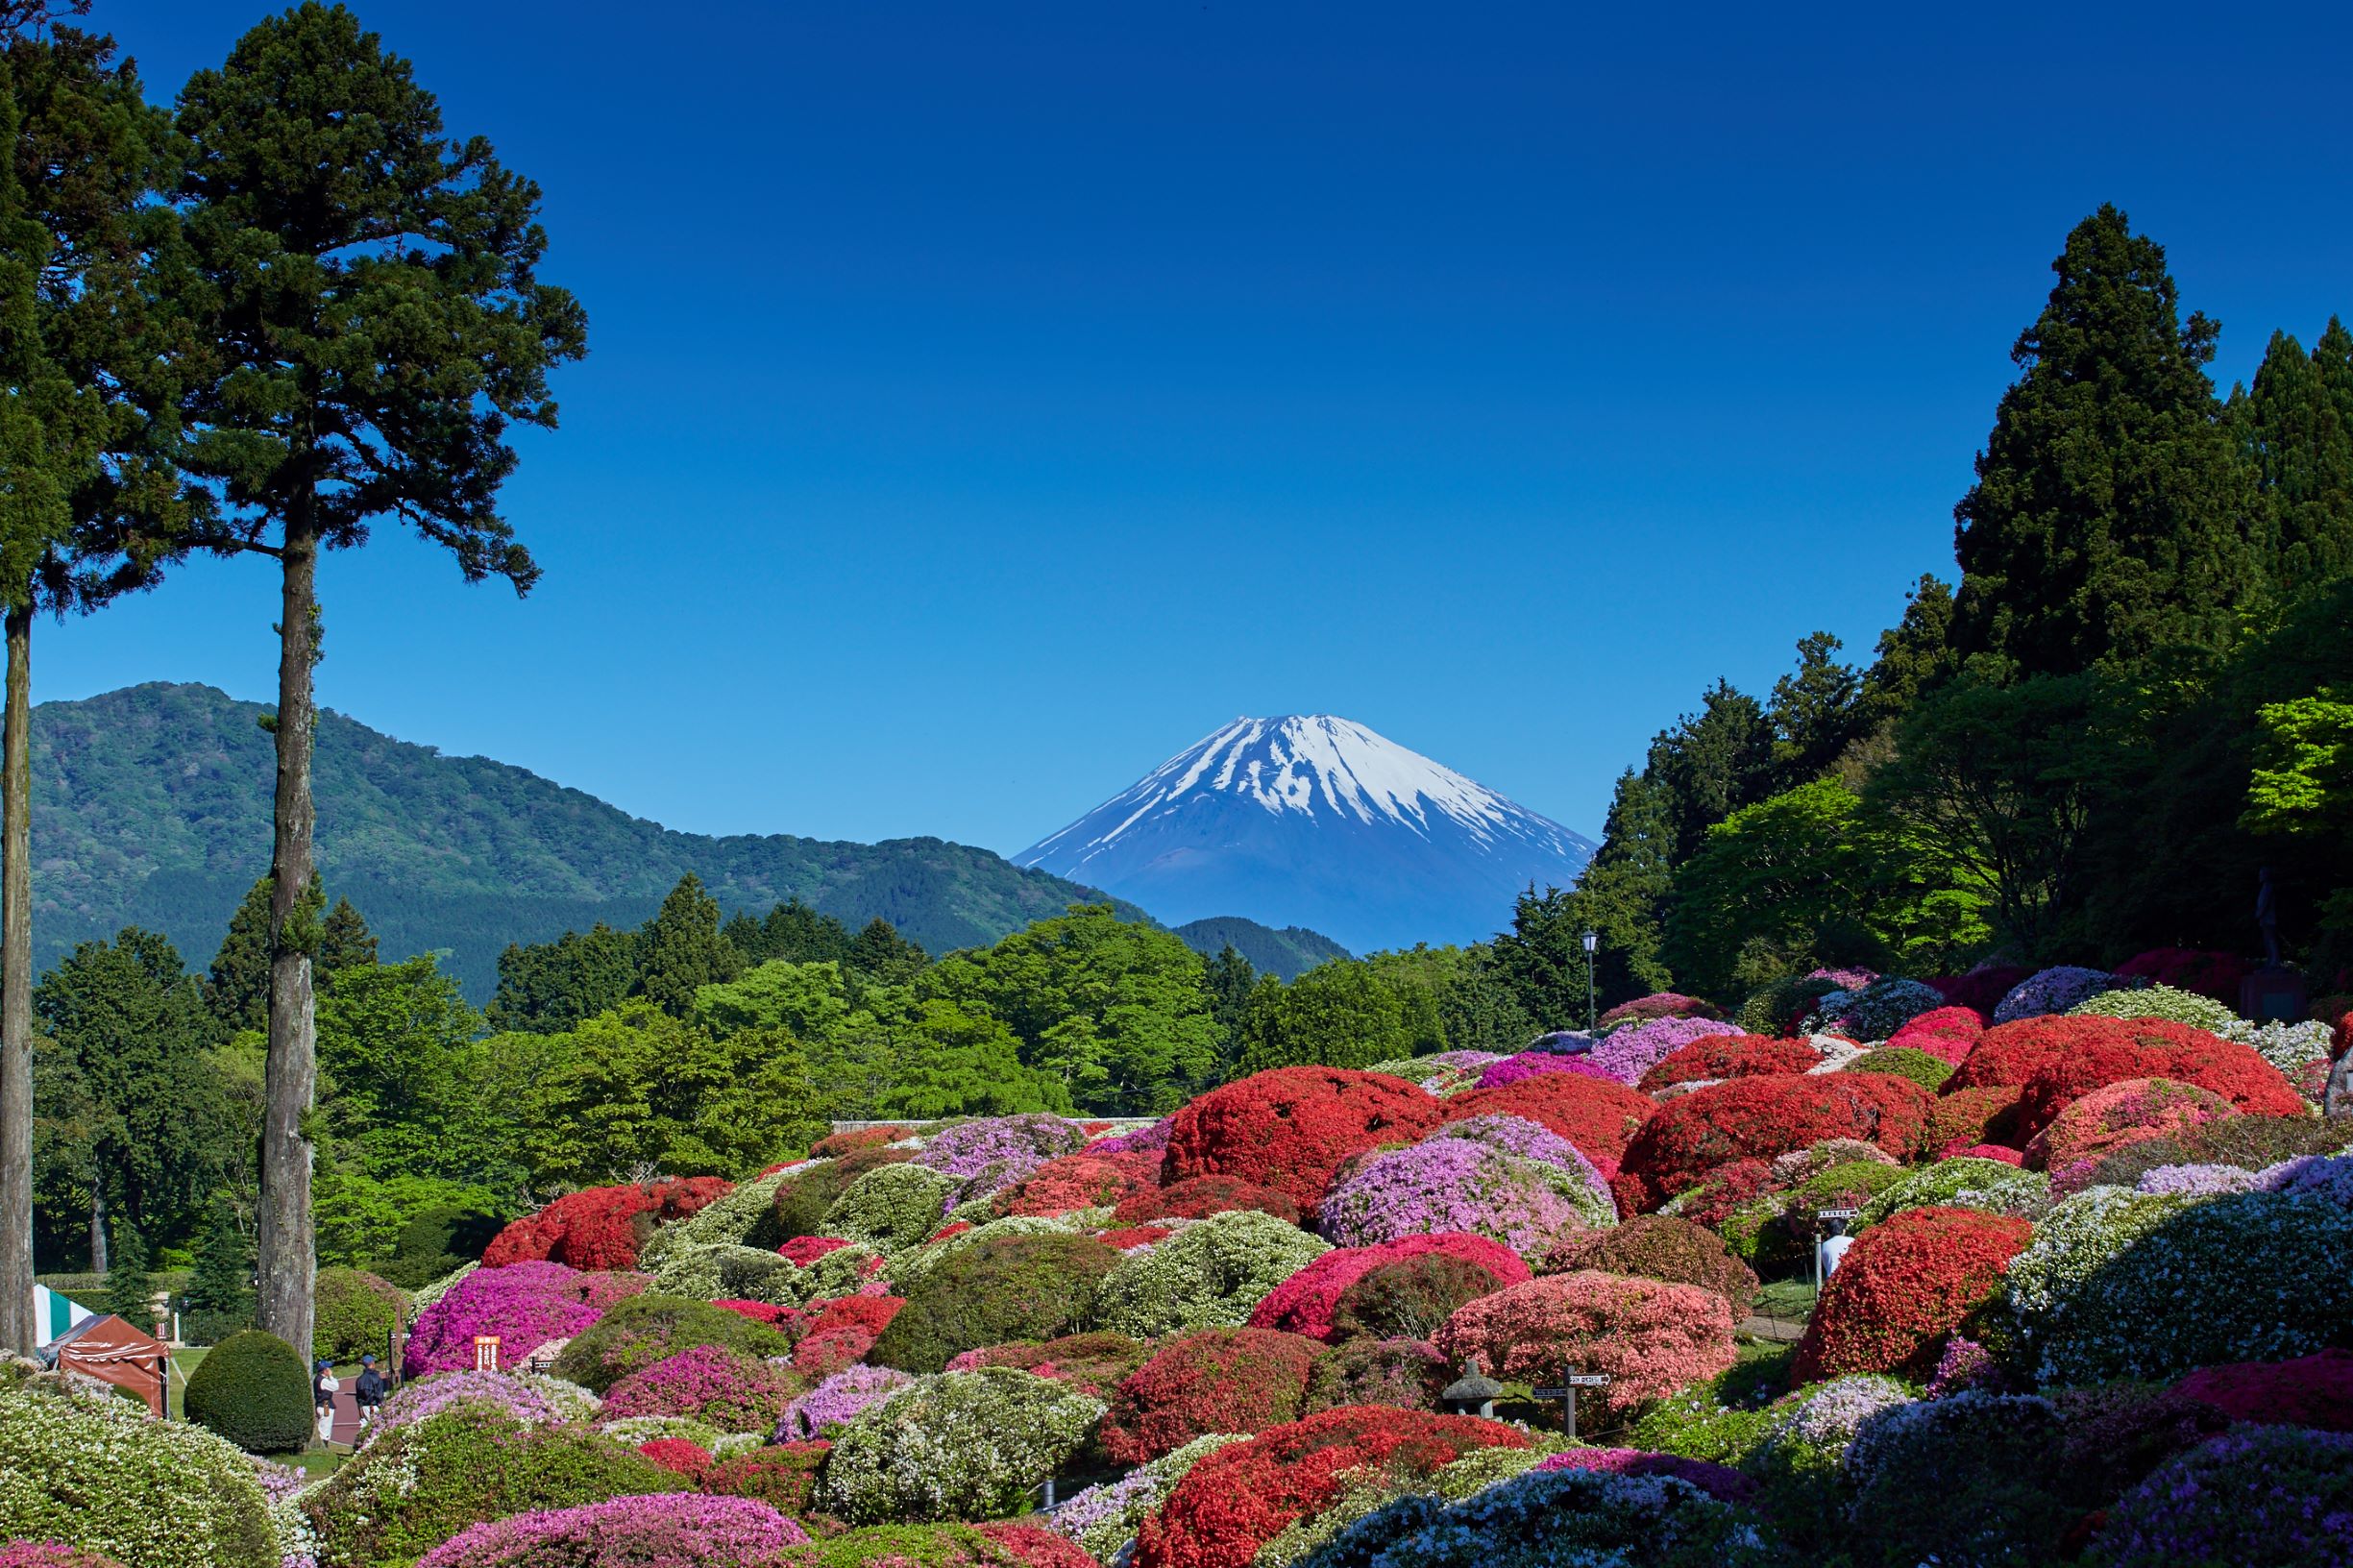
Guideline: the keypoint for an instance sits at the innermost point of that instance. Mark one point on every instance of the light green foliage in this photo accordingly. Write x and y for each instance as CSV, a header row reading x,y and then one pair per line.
x,y
2303,778
395,1052
1903,1062
2165,1002
1348,1013
892,1208
1208,1276
1962,1183
962,1445
361,1220
354,1314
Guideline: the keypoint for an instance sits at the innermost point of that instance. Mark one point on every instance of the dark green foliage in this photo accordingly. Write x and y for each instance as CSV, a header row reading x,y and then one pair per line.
x,y
995,1292
801,1202
131,1288
2110,516
680,949
470,1463
636,1332
1621,897
237,987
791,932
551,986
218,1298
1814,713
1951,1472
2297,425
437,1241
353,1313
345,942
1409,1299
1286,954
881,954
1914,656
254,1390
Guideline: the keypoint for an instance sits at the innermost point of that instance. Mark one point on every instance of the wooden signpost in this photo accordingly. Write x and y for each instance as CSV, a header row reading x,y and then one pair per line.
x,y
1570,1381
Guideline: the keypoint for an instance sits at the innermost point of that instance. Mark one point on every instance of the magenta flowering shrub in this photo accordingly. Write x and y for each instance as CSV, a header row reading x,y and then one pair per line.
x,y
2279,1496
832,1403
1513,1069
1150,1139
1627,1054
1454,1185
533,1401
665,1530
994,1152
50,1554
1720,1482
724,1387
525,1305
2053,991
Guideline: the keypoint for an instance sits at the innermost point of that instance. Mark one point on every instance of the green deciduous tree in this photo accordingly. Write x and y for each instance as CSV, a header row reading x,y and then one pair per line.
x,y
549,986
1347,1012
956,1063
372,288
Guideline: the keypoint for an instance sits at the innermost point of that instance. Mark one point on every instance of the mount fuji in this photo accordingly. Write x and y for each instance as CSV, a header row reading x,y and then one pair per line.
x,y
1318,821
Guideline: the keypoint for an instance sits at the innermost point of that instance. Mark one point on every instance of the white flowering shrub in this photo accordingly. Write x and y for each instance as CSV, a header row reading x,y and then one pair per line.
x,y
892,1208
910,1268
1962,1183
95,1471
2163,1002
1210,1276
1557,1518
960,1445
1104,1519
2290,1047
636,1431
2116,1283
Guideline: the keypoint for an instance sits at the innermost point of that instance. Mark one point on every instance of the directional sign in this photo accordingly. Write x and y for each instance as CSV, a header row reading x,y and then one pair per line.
x,y
1836,1214
1570,1381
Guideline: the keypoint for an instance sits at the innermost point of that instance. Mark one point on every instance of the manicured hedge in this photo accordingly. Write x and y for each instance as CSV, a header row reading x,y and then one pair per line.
x,y
1291,1128
253,1389
1011,1287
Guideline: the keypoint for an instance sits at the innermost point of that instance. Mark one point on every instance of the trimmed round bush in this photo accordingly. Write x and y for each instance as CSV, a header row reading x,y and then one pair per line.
x,y
625,1533
2108,1118
1103,1519
2127,1284
1878,1009
1662,1247
2277,1496
2008,1054
1652,1338
991,1153
1973,1478
1928,1071
1714,1058
2053,990
1308,1301
1086,1363
95,1473
1008,1287
1778,1007
894,1208
1556,1516
2309,1391
1080,1181
1964,1182
1764,1117
353,1313
1410,1299
1232,1502
603,1227
1219,1380
1291,1128
1202,1197
1778,1231
963,1445
2162,1002
1719,1482
1625,1054
1408,1374
1966,1118
254,1390
802,1199
1903,1286
1211,1275
414,1489
1659,1004
1451,1184
710,1382
1599,1116
2222,1067
1945,1033
523,1305
634,1333
781,1475
833,1403
534,1400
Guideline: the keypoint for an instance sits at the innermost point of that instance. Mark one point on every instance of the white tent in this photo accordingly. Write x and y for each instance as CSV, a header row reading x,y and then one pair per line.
x,y
54,1315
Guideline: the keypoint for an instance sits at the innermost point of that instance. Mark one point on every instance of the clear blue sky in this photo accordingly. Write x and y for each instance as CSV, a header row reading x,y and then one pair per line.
x,y
986,401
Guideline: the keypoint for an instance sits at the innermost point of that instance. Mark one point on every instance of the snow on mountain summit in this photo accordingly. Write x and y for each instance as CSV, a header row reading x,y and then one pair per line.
x,y
1315,821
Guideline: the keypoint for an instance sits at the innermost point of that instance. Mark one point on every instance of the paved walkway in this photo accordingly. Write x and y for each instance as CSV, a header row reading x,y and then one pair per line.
x,y
1775,1329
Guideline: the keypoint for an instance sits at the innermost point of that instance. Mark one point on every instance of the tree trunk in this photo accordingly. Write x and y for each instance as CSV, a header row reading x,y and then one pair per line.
x,y
17,1332
98,1221
287,1258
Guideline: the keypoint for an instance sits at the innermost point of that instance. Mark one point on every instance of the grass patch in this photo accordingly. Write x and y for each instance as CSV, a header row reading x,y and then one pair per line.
x,y
1792,1300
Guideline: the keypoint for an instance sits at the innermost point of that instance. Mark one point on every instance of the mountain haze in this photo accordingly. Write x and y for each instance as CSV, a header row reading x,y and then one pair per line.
x,y
151,806
1318,821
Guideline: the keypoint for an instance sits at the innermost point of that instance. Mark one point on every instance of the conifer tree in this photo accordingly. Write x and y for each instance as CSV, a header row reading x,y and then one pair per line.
x,y
221,1282
681,949
345,941
2298,424
2113,514
237,986
131,1288
1813,713
882,955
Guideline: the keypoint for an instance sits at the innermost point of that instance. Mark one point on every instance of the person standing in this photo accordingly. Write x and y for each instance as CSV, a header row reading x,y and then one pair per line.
x,y
370,1390
323,1386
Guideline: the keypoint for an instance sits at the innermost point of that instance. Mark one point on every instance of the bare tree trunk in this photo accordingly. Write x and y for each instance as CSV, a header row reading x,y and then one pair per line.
x,y
287,1256
16,1328
98,1221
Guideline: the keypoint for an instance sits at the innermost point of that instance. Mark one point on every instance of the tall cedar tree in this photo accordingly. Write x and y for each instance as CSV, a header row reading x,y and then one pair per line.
x,y
681,950
79,381
2112,514
2297,425
373,286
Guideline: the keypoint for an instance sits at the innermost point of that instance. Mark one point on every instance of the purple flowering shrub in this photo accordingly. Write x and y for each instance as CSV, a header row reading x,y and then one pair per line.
x,y
1451,1183
992,1154
1143,1140
2200,1181
710,1382
834,1401
2280,1496
535,1401
1627,1054
1526,1138
2326,1177
525,1305
2053,991
1720,1482
665,1530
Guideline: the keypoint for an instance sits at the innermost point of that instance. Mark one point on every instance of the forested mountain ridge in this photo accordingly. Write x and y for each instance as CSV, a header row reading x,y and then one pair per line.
x,y
152,807
1286,954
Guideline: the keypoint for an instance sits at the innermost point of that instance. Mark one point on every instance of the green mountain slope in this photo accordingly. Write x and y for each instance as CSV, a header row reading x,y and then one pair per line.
x,y
152,807
1288,953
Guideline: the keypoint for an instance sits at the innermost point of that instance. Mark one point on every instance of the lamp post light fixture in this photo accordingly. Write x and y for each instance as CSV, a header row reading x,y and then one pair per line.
x,y
1592,939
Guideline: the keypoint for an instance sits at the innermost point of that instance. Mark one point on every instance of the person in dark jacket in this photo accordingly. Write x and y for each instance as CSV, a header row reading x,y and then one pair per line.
x,y
371,1390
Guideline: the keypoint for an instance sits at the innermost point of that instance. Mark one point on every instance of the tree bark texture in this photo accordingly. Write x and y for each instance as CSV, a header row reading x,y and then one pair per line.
x,y
17,1332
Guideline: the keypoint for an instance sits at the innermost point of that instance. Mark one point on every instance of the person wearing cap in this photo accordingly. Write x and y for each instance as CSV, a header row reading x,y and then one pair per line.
x,y
323,1386
370,1390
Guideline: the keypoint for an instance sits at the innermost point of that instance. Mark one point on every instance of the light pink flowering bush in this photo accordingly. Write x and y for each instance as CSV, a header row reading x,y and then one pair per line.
x,y
669,1530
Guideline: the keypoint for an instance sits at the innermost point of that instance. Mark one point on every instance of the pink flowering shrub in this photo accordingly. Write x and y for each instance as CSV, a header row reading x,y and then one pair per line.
x,y
1518,1069
1454,1185
832,1403
1306,1300
1659,1004
1945,1033
724,1387
525,1305
50,1554
1627,1053
536,1402
2129,1111
1652,1338
669,1530
1719,1482
2314,1390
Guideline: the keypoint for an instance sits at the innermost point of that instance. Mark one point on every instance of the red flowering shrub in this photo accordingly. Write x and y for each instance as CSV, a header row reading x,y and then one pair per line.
x,y
1731,1056
1760,1117
1987,1151
790,1320
1090,1363
602,1226
944,1232
1652,1338
1597,1114
822,1354
1291,1128
805,1250
2309,1391
1659,1004
838,1144
2211,975
782,1475
1903,1286
678,1456
2230,1070
1981,989
1974,1116
1726,1188
1080,1181
1034,1546
1203,1196
872,1314
1239,1498
1661,1247
1946,1033
1218,1380
1128,1237
1307,1302
2129,1111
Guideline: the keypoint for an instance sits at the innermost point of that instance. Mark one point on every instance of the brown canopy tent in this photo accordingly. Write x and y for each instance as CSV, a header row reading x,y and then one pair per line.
x,y
108,1350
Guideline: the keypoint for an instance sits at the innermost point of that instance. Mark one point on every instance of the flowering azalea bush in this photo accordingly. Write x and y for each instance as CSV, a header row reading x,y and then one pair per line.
x,y
1580,1514
894,1208
1450,1184
1996,1186
1661,1247
962,1445
999,1290
1291,1128
834,1146
1091,1364
1963,1118
1778,1229
2162,1002
2325,1178
1625,1054
781,1475
1877,1010
625,1533
711,1383
679,1455
1768,1115
1599,1116
1211,1275
2205,1181
1201,1196
601,1227
1906,1284
2052,990
1717,1057
1652,1338
1153,1139
50,1554
1081,1181
523,1305
1659,1004
1408,1374
1306,1300
1945,1033
1104,1519
2280,1496
644,1329
804,1250
2314,1390
1214,1381
803,1196
530,1399
2128,1111
1720,1482
1234,1500
1980,1468
837,1401
2225,1067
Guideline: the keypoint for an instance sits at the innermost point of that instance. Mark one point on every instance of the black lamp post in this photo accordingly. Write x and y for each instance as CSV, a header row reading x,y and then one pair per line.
x,y
1591,939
